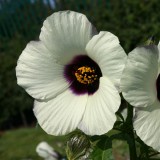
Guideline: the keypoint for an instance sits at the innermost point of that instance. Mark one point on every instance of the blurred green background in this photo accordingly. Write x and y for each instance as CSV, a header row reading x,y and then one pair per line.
x,y
133,21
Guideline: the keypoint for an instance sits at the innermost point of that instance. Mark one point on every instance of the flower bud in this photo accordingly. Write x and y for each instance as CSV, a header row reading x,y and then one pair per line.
x,y
46,151
78,147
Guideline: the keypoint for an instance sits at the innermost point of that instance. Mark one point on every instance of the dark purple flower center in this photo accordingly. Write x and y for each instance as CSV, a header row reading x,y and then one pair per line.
x,y
83,74
158,87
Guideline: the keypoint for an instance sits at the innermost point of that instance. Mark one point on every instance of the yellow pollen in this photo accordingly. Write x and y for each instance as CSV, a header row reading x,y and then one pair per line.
x,y
86,75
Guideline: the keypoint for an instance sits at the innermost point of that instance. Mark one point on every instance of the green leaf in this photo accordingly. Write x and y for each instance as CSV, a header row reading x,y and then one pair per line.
x,y
105,143
103,149
99,154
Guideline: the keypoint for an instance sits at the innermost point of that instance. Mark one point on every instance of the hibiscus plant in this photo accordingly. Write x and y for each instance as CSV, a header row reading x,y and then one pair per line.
x,y
80,79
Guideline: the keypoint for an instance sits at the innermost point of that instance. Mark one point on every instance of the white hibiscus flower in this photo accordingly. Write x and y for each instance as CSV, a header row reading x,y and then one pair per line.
x,y
73,74
140,86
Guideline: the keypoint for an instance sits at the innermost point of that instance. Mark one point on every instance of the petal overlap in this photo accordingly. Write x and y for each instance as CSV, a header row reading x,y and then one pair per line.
x,y
66,33
105,49
99,116
61,115
38,74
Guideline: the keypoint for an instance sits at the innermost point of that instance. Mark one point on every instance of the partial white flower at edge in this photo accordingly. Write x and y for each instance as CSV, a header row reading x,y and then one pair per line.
x,y
140,86
74,74
45,151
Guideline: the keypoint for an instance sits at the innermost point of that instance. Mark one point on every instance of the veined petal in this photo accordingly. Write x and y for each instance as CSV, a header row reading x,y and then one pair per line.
x,y
38,74
147,125
159,58
138,83
105,49
62,114
99,116
66,34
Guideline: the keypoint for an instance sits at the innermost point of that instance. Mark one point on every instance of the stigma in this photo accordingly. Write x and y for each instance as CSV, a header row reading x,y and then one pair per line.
x,y
86,75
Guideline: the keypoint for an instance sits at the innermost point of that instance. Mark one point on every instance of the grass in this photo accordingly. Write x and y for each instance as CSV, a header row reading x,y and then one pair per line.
x,y
20,144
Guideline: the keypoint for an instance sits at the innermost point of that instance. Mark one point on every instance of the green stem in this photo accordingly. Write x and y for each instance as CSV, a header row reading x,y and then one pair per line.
x,y
131,142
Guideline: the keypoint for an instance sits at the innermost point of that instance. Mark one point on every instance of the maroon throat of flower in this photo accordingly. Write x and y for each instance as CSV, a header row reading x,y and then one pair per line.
x,y
83,73
158,87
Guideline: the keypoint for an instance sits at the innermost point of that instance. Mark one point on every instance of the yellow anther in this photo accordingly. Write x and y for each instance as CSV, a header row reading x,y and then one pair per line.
x,y
86,75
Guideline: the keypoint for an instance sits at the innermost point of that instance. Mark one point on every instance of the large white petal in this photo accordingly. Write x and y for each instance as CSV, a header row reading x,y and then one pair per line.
x,y
66,34
38,74
105,49
99,116
147,125
138,82
62,114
